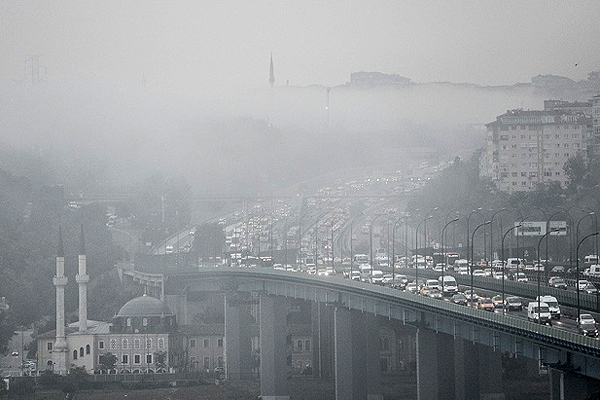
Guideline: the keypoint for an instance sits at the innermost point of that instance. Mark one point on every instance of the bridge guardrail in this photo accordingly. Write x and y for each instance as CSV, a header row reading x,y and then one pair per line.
x,y
529,290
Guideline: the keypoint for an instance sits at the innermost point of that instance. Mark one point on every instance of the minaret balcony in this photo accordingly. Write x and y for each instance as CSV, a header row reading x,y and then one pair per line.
x,y
81,279
60,280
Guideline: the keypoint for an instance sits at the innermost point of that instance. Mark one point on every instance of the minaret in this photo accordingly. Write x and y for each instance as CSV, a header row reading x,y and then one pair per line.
x,y
271,72
82,279
60,349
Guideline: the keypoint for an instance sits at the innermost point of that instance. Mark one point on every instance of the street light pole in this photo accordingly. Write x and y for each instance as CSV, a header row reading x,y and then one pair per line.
x,y
504,265
538,273
394,249
577,268
492,232
417,252
472,255
444,264
352,243
468,223
371,241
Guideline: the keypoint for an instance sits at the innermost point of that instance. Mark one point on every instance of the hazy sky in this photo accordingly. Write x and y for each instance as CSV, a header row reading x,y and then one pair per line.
x,y
213,45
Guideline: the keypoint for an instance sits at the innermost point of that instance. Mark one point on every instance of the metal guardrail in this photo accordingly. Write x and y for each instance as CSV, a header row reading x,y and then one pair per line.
x,y
529,290
504,323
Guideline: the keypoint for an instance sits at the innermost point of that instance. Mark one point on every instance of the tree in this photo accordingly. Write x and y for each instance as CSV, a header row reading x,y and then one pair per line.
x,y
160,360
108,362
576,170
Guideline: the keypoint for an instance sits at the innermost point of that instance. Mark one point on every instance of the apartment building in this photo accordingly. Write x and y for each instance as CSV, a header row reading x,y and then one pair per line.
x,y
525,148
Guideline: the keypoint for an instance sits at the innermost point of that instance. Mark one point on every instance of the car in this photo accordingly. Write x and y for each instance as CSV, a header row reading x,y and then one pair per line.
x,y
432,283
582,283
478,272
434,293
558,269
411,287
590,288
557,282
169,249
586,319
376,277
498,275
513,303
15,353
588,330
520,277
459,299
354,275
471,294
497,300
483,303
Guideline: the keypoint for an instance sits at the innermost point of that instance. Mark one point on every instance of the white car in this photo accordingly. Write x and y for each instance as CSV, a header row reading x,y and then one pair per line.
x,y
586,319
479,272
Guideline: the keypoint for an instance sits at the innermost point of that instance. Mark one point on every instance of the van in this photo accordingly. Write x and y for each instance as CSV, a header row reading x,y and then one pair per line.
x,y
514,263
462,263
449,286
552,305
593,271
542,316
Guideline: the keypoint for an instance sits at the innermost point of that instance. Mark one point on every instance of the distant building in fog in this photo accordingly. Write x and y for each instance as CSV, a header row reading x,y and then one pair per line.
x,y
527,148
583,107
371,79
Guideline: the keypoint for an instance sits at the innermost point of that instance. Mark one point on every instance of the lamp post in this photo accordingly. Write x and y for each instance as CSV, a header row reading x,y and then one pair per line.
x,y
417,252
352,243
538,272
394,249
443,254
472,254
595,228
468,222
371,241
578,223
425,235
504,264
577,269
492,232
548,230
446,220
317,240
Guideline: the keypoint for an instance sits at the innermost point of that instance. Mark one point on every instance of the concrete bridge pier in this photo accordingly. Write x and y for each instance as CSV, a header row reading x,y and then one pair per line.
x,y
566,385
273,348
238,343
449,368
356,345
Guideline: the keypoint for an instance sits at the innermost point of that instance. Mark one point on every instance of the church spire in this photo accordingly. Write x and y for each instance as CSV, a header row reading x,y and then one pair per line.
x,y
271,72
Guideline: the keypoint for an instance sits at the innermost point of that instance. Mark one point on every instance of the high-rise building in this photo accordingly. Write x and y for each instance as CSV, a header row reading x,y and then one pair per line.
x,y
528,148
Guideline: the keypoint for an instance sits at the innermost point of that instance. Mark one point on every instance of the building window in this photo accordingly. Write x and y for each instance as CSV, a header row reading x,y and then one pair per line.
x,y
220,362
128,321
136,343
113,344
149,343
81,353
125,343
206,343
307,345
101,345
137,359
299,346
74,354
148,358
125,359
145,321
206,362
220,342
161,343
49,346
192,342
88,350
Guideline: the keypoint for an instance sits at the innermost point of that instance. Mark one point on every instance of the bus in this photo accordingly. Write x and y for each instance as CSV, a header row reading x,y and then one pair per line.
x,y
450,258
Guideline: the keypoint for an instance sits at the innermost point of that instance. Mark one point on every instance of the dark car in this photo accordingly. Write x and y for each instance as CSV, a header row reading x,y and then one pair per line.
x,y
513,303
588,330
459,299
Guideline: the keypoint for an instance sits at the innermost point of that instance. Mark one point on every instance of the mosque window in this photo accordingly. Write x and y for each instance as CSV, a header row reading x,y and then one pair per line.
x,y
113,343
161,343
128,321
81,352
136,343
125,343
149,343
74,354
145,321
101,345
49,346
87,349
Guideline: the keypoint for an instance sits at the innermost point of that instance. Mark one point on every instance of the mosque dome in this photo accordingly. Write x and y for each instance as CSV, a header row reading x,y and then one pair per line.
x,y
144,306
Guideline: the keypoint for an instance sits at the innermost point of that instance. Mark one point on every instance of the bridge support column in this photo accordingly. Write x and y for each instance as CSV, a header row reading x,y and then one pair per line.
x,y
478,370
273,348
238,344
323,353
571,386
357,352
435,365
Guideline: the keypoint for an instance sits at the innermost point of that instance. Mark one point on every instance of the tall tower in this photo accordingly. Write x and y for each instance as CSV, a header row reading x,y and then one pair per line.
x,y
271,72
60,349
82,279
